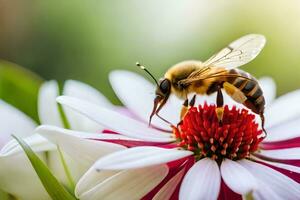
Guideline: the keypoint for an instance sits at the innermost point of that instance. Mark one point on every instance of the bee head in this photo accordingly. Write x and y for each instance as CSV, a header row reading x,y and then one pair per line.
x,y
163,90
162,93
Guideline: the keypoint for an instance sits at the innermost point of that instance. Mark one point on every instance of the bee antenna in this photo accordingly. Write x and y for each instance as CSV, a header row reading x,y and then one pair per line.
x,y
146,70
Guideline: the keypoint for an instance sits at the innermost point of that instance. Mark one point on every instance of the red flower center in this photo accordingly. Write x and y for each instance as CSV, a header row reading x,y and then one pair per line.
x,y
235,138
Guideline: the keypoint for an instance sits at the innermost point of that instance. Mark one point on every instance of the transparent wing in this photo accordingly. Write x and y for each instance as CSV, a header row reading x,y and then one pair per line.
x,y
220,74
239,52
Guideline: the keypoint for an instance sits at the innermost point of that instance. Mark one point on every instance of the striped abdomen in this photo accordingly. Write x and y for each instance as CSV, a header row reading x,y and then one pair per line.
x,y
250,88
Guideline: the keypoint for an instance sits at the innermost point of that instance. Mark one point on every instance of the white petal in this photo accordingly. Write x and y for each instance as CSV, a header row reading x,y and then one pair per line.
x,y
265,192
47,106
91,179
275,181
125,83
115,121
140,157
269,89
237,178
84,151
284,108
13,121
201,181
280,165
284,131
36,142
168,189
83,91
211,99
290,153
86,135
86,92
39,144
19,178
127,184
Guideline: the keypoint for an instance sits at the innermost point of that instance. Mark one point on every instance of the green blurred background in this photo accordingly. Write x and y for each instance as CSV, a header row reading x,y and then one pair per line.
x,y
85,40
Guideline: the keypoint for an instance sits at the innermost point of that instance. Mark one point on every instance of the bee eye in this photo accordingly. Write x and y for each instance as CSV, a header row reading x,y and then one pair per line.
x,y
165,86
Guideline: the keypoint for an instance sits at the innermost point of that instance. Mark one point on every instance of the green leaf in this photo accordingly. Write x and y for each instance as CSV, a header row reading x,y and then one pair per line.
x,y
19,87
63,117
66,169
55,190
4,195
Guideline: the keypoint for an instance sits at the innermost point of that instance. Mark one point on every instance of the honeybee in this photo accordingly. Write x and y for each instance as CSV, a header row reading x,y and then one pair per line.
x,y
218,72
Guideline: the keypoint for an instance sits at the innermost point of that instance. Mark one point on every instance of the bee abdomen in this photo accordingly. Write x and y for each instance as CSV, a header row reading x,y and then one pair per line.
x,y
250,88
238,82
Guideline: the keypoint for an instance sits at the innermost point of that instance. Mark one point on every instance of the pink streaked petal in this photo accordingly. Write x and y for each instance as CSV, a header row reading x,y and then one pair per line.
x,y
227,194
175,195
271,181
82,150
166,188
190,162
265,192
138,143
284,161
109,131
106,137
138,157
126,184
292,168
289,153
115,121
290,143
187,161
175,168
87,135
284,131
288,103
293,175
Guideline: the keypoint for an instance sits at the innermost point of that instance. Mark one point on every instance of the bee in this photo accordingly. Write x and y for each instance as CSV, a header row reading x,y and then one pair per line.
x,y
217,73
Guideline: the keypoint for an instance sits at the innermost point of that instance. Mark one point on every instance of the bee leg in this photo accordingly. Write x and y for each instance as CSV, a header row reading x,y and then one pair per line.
x,y
160,117
220,103
184,108
192,102
262,117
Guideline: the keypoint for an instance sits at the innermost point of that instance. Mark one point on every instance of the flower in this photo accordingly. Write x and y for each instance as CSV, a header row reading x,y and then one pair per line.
x,y
153,167
18,178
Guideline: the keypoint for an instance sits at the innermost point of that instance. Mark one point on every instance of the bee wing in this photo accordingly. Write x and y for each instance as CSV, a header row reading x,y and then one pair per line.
x,y
205,73
197,75
239,52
